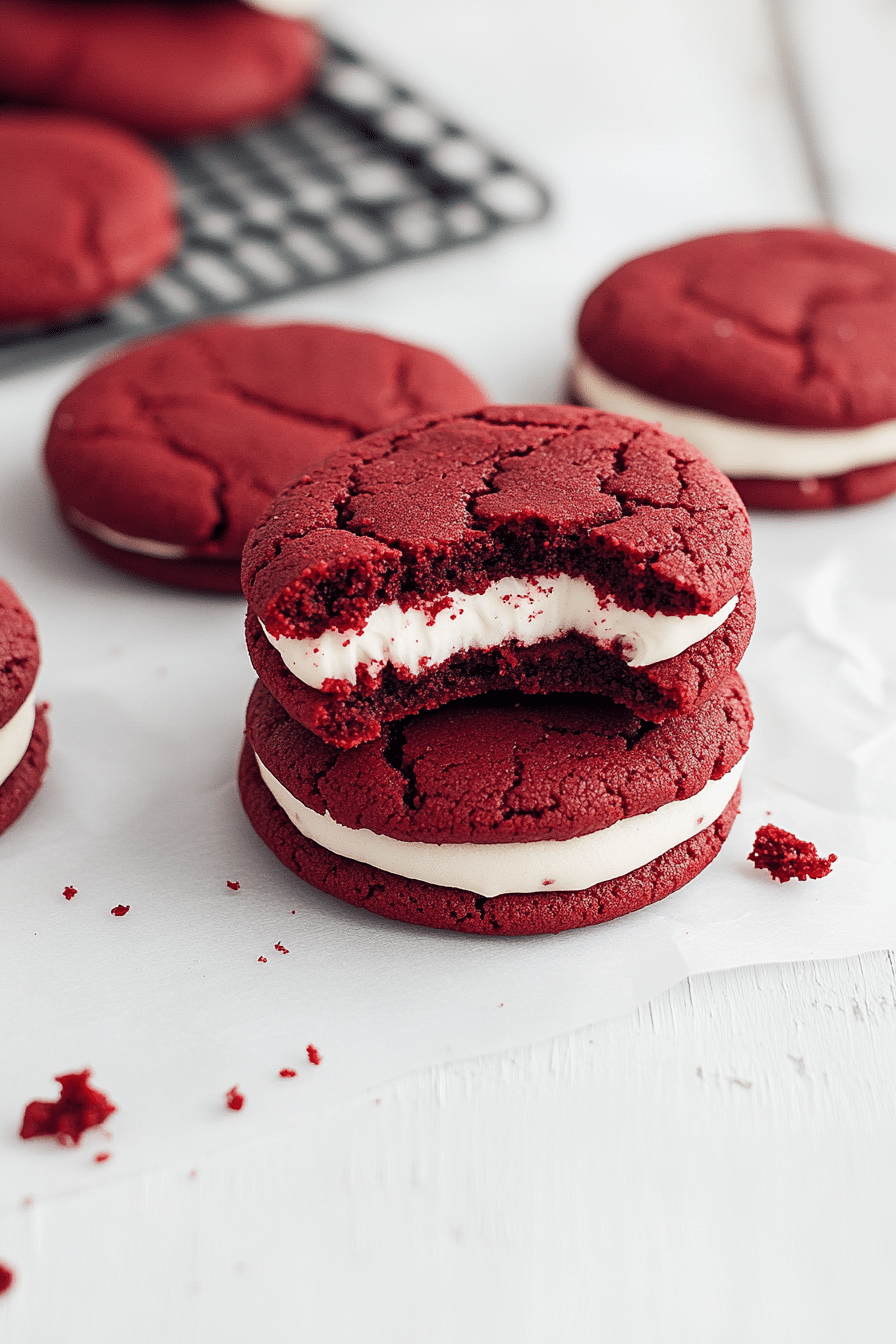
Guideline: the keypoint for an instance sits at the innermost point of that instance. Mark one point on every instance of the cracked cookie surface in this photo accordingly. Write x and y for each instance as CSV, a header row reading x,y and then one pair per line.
x,y
786,327
446,504
87,212
183,441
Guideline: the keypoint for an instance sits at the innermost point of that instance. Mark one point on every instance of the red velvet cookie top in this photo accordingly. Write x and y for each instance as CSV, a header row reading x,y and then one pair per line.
x,y
792,327
163,69
19,653
500,769
186,439
86,212
455,502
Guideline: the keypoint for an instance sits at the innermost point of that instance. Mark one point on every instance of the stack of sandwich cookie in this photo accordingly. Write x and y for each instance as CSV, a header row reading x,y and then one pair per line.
x,y
773,351
24,734
498,660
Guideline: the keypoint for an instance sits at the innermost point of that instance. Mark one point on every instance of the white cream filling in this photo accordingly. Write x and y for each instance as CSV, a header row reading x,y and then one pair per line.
x,y
525,610
740,448
534,866
161,550
15,736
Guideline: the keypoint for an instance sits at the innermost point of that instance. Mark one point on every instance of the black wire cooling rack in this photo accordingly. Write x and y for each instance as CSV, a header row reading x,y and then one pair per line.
x,y
363,174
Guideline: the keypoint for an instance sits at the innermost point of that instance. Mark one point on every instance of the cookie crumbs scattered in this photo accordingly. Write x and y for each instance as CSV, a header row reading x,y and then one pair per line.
x,y
7,1278
784,856
69,892
278,947
314,1054
120,909
102,1157
235,1099
262,958
287,1073
78,1108
234,886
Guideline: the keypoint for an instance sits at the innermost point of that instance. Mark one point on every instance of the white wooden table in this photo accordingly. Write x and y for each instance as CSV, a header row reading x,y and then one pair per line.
x,y
720,1165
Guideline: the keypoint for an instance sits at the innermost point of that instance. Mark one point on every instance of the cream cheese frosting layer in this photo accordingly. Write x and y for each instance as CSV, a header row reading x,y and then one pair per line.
x,y
15,736
740,448
524,610
537,866
161,550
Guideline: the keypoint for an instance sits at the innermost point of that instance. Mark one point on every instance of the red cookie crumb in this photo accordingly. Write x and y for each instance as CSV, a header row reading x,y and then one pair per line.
x,y
120,909
262,958
6,1279
287,1073
235,1099
278,947
78,1108
102,1157
69,892
314,1054
234,886
785,856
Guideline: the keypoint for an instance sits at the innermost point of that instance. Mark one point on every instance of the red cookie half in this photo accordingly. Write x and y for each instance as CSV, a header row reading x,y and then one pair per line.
x,y
86,213
774,351
541,548
588,810
24,735
164,458
163,69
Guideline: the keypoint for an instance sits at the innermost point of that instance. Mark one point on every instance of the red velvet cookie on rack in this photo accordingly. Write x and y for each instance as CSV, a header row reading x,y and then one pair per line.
x,y
774,351
24,735
542,548
164,458
163,69
504,814
86,212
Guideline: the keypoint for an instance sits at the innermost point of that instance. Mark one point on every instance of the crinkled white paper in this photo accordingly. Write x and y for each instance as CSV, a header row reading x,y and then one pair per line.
x,y
171,1006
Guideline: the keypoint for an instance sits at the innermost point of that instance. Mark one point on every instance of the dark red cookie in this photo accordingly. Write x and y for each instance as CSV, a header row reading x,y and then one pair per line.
x,y
464,505
163,69
178,445
86,212
501,773
786,330
24,735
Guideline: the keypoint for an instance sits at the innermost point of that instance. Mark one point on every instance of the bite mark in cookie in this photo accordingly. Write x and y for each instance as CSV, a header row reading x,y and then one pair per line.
x,y
535,547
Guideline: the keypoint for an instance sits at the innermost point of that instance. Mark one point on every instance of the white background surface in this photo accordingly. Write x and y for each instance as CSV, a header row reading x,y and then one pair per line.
x,y
718,1165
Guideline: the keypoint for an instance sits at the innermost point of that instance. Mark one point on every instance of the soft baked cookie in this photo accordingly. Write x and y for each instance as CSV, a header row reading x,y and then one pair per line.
x,y
501,815
86,212
24,735
164,69
544,548
164,458
773,351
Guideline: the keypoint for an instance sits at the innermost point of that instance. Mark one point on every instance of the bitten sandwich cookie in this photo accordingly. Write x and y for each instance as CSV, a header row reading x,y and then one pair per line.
x,y
773,351
24,734
86,212
501,815
163,459
160,68
541,548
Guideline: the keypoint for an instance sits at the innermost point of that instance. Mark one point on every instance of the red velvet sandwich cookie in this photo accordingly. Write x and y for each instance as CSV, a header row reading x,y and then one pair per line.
x,y
163,459
163,69
24,735
541,548
86,213
773,351
500,815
